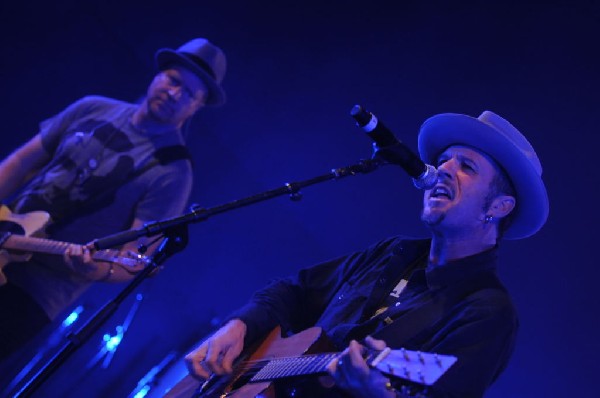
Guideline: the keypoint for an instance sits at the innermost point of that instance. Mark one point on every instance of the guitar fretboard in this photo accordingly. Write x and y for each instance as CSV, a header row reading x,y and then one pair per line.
x,y
293,366
40,245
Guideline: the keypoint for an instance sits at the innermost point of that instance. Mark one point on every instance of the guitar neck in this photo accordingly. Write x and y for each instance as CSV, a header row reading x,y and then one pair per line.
x,y
34,222
416,366
35,245
280,368
29,244
40,245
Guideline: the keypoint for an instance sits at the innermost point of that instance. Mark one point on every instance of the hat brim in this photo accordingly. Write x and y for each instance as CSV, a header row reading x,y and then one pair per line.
x,y
166,57
441,131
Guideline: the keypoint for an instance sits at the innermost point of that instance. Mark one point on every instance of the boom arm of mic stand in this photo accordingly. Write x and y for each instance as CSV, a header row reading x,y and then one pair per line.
x,y
199,214
175,230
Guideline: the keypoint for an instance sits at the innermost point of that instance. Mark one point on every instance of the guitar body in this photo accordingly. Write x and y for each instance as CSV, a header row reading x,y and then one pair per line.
x,y
30,224
281,367
237,385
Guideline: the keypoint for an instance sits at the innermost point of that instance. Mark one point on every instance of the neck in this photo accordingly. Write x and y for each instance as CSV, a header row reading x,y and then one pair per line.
x,y
444,249
144,121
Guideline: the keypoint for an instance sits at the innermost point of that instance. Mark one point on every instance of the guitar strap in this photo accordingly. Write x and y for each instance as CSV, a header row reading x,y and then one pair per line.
x,y
162,156
402,327
170,154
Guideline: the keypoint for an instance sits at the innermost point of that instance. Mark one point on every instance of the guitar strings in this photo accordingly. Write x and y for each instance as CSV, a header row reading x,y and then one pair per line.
x,y
252,368
323,354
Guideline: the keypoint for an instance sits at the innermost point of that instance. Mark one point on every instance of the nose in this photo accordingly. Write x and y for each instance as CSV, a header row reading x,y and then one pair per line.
x,y
447,169
174,92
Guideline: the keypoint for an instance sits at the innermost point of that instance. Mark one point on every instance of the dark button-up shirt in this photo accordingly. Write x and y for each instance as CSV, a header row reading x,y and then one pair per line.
x,y
459,309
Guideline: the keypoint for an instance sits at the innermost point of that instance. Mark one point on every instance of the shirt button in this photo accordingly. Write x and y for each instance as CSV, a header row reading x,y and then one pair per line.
x,y
382,281
341,296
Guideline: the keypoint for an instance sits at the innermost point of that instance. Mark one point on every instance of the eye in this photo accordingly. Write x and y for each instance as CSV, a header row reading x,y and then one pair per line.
x,y
172,80
468,167
441,161
188,92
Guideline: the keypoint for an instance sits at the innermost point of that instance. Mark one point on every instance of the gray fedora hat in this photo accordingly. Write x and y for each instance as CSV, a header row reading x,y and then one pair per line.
x,y
499,139
204,59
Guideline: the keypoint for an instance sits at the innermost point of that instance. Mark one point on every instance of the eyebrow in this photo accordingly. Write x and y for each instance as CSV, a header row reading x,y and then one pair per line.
x,y
460,156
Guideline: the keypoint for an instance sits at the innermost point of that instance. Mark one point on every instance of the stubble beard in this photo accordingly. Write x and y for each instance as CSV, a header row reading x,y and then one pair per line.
x,y
432,219
160,110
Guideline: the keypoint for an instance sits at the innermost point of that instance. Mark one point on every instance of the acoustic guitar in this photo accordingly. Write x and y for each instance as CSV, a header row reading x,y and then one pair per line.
x,y
290,358
21,235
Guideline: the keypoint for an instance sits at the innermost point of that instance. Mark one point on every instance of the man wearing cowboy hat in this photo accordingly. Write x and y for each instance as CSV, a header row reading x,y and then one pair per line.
x,y
99,167
439,295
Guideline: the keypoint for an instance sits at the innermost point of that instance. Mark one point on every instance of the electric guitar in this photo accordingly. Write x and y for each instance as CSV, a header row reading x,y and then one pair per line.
x,y
24,238
280,358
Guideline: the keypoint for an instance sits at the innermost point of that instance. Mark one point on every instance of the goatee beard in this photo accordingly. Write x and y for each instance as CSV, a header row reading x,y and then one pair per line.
x,y
432,220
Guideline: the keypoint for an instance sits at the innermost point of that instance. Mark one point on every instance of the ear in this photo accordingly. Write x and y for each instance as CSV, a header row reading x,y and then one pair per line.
x,y
199,103
502,206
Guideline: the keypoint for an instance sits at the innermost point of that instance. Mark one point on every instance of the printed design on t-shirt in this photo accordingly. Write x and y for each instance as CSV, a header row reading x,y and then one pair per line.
x,y
93,159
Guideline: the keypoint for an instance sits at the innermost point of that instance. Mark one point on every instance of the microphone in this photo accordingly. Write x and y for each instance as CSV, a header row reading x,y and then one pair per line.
x,y
391,150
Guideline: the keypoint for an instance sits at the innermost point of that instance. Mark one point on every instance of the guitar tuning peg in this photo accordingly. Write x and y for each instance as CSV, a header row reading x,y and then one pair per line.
x,y
405,354
421,357
437,360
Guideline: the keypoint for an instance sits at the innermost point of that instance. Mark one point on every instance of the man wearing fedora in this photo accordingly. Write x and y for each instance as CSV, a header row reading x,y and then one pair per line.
x,y
99,167
438,295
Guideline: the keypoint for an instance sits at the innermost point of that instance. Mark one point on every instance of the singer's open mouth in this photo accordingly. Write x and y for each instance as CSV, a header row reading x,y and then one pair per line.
x,y
442,192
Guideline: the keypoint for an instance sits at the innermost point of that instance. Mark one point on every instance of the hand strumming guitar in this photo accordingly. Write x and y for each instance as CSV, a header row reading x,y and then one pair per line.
x,y
217,353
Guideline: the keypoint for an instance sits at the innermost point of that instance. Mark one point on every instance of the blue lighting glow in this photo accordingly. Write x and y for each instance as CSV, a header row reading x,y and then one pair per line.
x,y
72,317
143,392
112,342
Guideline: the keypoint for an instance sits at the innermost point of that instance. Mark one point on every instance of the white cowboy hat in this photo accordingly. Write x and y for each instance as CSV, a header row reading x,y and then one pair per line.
x,y
499,139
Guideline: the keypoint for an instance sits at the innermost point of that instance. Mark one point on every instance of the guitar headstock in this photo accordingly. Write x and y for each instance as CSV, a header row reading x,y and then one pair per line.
x,y
419,367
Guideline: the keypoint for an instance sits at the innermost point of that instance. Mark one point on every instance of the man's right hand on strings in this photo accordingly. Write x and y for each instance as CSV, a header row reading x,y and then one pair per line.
x,y
216,354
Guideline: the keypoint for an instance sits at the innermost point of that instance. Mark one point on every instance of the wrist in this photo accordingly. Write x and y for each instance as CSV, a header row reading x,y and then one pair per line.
x,y
239,325
109,273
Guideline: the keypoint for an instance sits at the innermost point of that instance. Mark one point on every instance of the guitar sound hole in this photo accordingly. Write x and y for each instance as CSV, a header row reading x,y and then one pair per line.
x,y
241,380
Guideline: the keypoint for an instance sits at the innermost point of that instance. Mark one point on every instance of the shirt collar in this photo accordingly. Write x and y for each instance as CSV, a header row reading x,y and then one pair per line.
x,y
462,269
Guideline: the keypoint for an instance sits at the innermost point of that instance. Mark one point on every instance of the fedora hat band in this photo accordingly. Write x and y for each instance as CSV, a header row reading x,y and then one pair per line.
x,y
201,63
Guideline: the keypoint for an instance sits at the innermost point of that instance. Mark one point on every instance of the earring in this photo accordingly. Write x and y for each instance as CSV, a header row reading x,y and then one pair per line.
x,y
488,219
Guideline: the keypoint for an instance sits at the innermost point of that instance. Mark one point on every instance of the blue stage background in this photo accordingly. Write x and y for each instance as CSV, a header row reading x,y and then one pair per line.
x,y
295,69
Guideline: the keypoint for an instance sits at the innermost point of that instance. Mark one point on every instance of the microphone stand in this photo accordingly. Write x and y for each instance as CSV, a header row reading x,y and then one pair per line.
x,y
176,237
175,240
199,214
